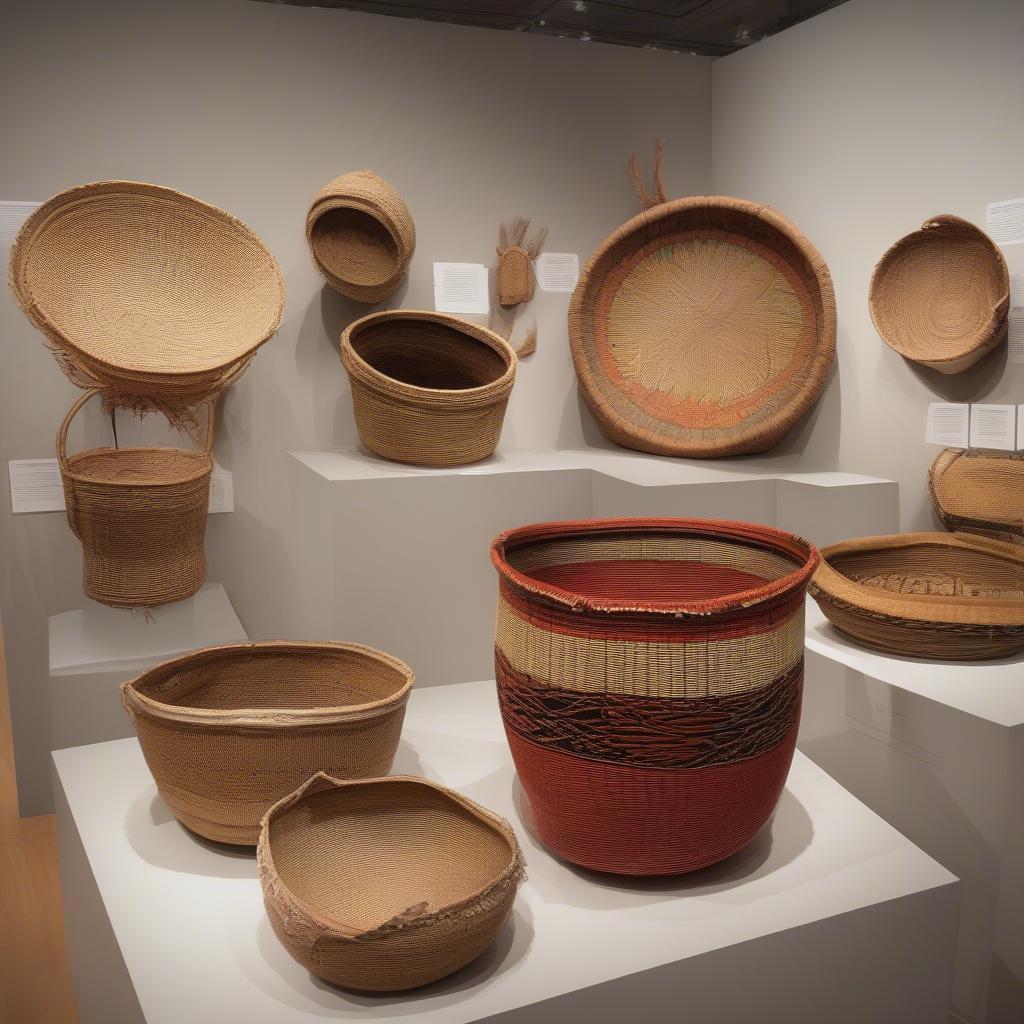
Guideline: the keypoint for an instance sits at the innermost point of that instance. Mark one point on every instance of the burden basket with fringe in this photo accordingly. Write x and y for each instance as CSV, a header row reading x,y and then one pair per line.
x,y
229,730
153,295
386,884
361,236
140,514
650,675
979,492
427,388
940,295
926,595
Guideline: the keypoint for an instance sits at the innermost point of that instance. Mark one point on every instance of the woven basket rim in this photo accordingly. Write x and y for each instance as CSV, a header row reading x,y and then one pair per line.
x,y
204,467
753,535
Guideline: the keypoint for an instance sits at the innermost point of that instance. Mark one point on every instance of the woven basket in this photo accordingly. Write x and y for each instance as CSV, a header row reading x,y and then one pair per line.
x,y
650,674
926,595
361,236
940,295
387,884
427,388
140,514
515,276
979,492
155,296
703,327
229,730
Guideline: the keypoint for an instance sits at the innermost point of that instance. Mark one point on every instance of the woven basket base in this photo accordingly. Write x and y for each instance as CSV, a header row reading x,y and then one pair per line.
x,y
158,580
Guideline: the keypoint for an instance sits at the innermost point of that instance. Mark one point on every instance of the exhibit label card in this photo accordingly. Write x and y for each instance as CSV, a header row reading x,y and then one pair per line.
x,y
994,426
12,216
948,424
1005,221
1015,335
461,288
557,271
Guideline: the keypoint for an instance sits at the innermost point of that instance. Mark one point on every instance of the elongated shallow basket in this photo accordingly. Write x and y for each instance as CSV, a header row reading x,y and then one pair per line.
x,y
140,514
154,295
979,492
926,595
427,388
703,327
387,884
361,236
650,674
229,730
939,296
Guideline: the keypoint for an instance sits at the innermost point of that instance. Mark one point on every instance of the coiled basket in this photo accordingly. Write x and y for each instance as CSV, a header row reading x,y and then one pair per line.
x,y
650,674
979,492
387,884
229,730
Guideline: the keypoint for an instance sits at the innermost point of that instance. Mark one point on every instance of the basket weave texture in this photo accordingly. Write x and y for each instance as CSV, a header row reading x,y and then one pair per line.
x,y
229,730
926,595
650,674
940,295
427,388
979,492
387,884
703,327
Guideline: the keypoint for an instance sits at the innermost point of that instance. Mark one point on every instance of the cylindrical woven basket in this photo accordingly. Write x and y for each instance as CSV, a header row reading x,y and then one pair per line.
x,y
939,296
979,492
361,236
387,884
229,730
650,674
427,388
140,514
925,595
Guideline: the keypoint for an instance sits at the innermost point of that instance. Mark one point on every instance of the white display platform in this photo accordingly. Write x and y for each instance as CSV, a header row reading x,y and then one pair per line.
x,y
936,748
830,915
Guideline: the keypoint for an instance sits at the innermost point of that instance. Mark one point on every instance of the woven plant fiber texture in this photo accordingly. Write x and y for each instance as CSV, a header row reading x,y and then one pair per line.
x,y
940,295
427,388
516,253
650,674
926,595
979,492
387,884
229,730
361,236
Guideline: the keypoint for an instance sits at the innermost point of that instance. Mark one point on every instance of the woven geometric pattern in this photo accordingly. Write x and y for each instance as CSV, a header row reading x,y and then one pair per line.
x,y
979,492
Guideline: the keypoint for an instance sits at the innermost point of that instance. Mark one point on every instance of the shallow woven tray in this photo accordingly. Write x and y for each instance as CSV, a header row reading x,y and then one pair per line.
x,y
979,492
939,296
703,327
387,884
926,595
229,730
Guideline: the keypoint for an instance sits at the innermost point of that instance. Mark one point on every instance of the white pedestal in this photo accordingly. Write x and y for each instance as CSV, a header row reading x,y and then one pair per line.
x,y
938,750
830,915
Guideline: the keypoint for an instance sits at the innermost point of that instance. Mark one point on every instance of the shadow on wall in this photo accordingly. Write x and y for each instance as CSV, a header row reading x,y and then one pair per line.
x,y
970,385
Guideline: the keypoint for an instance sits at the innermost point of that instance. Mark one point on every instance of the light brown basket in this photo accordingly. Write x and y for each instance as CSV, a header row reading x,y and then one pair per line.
x,y
979,492
387,884
926,595
140,514
361,236
427,388
229,730
939,296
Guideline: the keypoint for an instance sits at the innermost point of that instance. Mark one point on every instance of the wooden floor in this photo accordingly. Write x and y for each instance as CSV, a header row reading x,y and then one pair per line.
x,y
35,986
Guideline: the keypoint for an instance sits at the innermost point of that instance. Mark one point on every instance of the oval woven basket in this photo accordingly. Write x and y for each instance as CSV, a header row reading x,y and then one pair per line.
x,y
157,297
427,388
926,595
703,327
979,492
387,884
229,730
939,296
650,674
361,236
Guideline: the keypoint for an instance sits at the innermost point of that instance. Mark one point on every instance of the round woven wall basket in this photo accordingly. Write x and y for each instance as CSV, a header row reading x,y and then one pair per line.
x,y
926,595
387,884
427,388
229,730
940,295
650,674
979,492
361,236
703,327
140,514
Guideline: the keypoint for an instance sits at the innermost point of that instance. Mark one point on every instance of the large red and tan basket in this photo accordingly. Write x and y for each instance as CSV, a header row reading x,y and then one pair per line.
x,y
650,674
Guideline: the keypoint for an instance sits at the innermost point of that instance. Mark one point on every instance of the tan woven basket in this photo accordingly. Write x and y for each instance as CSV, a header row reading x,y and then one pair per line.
x,y
427,388
361,236
157,297
939,296
140,514
979,492
387,884
926,595
229,730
